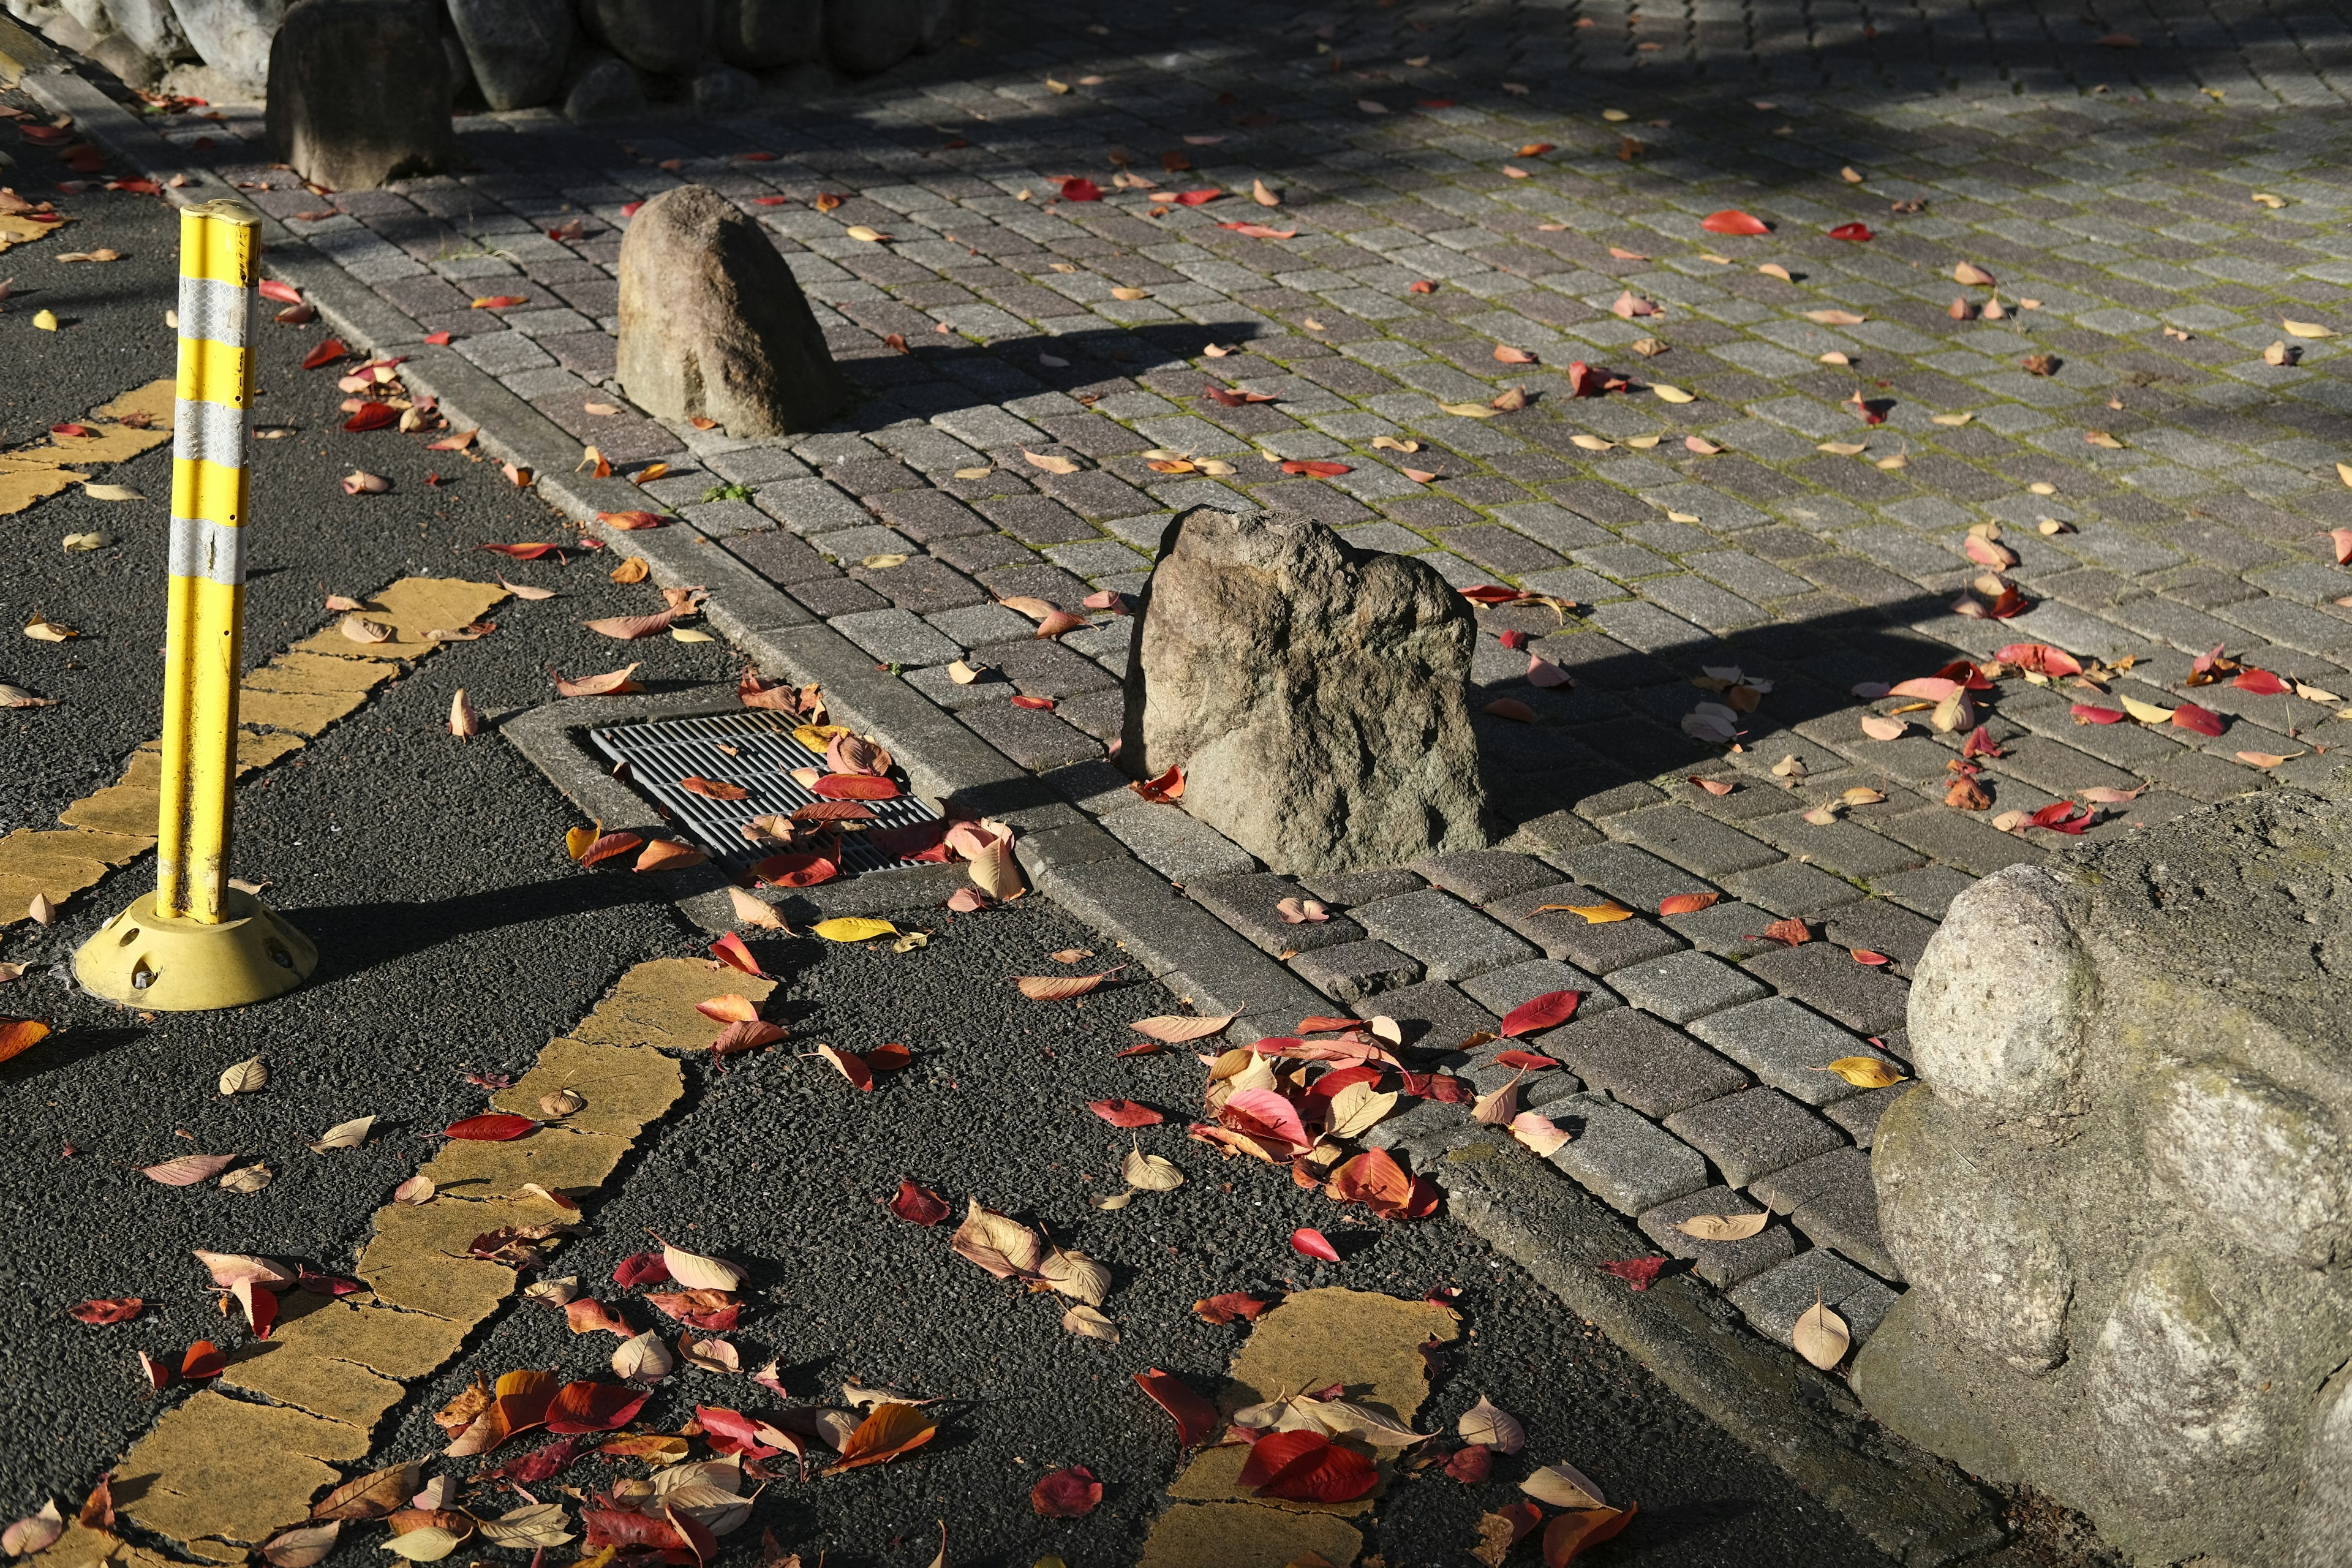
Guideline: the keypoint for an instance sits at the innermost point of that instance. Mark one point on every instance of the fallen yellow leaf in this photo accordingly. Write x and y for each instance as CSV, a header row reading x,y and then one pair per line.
x,y
1595,914
1671,393
2146,712
852,928
2307,329
870,235
1863,1072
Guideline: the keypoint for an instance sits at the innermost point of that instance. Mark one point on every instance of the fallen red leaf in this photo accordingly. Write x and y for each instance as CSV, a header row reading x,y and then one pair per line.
x,y
1195,1416
526,551
801,871
732,1432
1524,1061
439,339
594,1406
2202,722
284,293
1260,231
730,949
491,1129
326,351
1306,1466
1731,220
1035,704
1071,1493
854,786
1857,232
108,1309
713,1312
372,416
749,1036
1492,594
1471,1465
1687,904
1124,1113
1198,198
1317,469
1081,189
1311,1243
1234,1306
2261,682
1423,286
203,1358
628,522
918,1204
1864,955
1549,1011
641,1268
1566,1538
1638,1272
712,789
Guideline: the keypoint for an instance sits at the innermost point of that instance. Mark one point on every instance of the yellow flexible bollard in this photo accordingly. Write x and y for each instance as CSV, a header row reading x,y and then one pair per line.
x,y
196,943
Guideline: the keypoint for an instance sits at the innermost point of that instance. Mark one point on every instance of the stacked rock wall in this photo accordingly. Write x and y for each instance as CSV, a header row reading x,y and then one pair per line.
x,y
590,58
2123,1194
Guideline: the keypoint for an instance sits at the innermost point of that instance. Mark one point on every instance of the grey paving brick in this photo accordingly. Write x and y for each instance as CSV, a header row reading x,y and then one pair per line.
x,y
1792,888
1602,949
1880,926
1753,1132
1930,891
1684,985
1786,1045
897,636
1449,938
1641,1062
1627,1162
1042,667
1721,1264
1731,931
1486,1072
1433,1015
1629,875
1500,990
1040,742
1844,847
1482,876
1773,1301
1859,1116
1790,1188
1965,839
1696,843
1358,970
1248,903
1844,1216
1826,978
1344,889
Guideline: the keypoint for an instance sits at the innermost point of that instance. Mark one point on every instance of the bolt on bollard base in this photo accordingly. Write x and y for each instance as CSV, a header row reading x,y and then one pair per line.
x,y
166,965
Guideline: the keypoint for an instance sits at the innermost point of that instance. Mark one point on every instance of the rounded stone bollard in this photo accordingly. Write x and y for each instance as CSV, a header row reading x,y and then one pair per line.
x,y
1316,695
351,129
863,36
714,325
2122,1192
665,36
761,34
517,47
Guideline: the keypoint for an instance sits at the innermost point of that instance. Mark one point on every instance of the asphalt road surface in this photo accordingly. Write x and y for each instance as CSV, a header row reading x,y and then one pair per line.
x,y
456,938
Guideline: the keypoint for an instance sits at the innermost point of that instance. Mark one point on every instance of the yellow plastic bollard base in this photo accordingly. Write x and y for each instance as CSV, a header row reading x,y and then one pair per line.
x,y
143,959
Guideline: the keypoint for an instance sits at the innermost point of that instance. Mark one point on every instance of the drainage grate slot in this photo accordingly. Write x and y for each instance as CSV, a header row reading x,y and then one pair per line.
x,y
661,754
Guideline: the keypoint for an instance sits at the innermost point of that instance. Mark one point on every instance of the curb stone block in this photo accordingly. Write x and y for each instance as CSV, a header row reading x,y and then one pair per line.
x,y
1827,979
1346,889
1728,929
1166,839
1697,844
1792,888
1844,1218
1789,1189
1482,876
1631,876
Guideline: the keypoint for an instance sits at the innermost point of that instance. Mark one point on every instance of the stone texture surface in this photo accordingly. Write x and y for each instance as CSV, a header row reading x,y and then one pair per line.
x,y
1314,694
354,131
875,34
664,36
233,37
713,324
759,35
2122,1193
516,47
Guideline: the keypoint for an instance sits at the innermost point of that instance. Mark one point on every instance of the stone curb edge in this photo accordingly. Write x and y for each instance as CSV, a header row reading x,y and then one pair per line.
x,y
1915,1507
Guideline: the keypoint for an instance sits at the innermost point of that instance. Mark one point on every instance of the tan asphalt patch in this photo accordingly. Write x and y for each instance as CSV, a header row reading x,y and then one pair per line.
x,y
220,1472
295,695
1371,1345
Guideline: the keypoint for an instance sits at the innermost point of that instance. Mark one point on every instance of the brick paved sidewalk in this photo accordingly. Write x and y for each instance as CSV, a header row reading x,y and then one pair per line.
x,y
2148,186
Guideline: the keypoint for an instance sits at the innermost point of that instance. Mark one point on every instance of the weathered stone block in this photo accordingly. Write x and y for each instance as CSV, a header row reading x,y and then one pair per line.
x,y
2121,1191
759,35
714,325
661,36
517,47
1314,694
354,129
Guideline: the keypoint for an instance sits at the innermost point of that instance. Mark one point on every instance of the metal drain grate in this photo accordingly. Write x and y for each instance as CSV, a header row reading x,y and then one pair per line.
x,y
764,754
